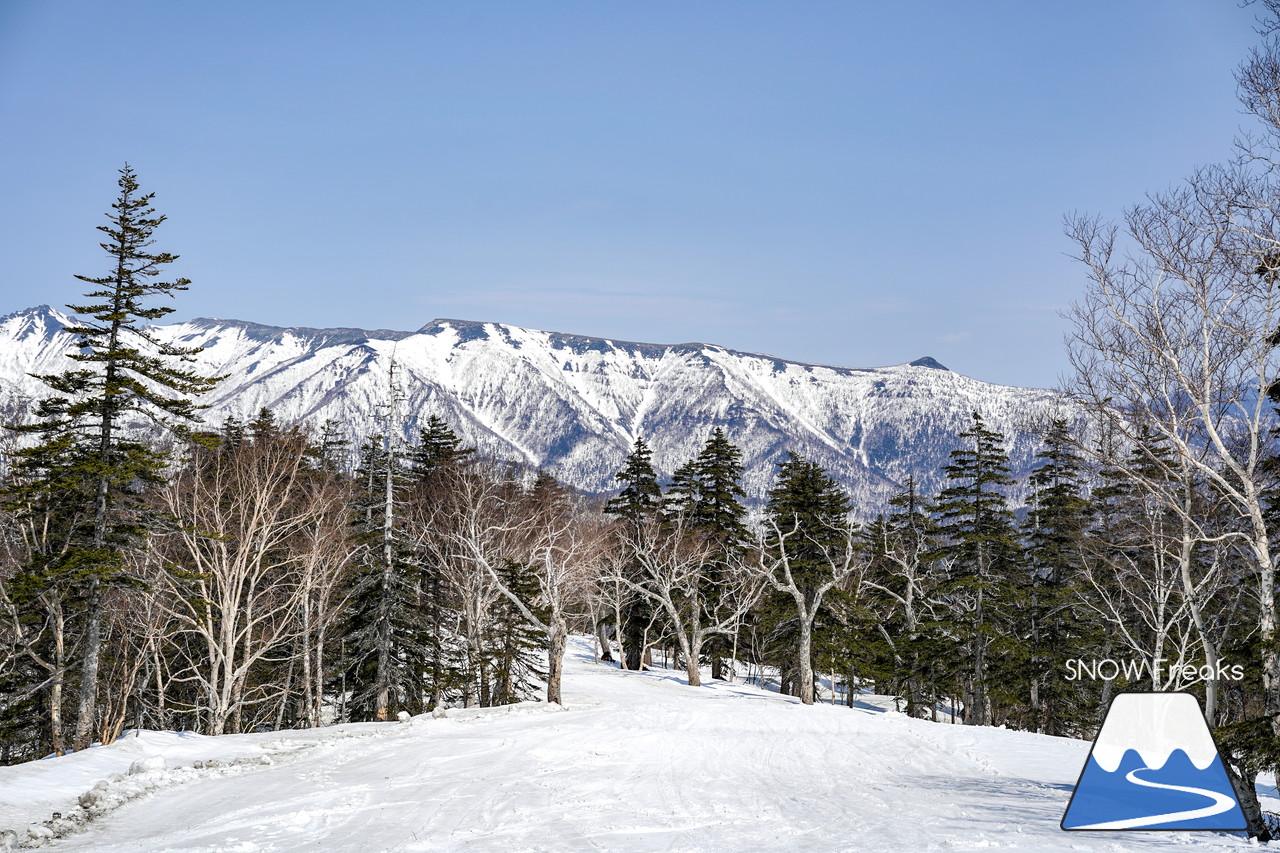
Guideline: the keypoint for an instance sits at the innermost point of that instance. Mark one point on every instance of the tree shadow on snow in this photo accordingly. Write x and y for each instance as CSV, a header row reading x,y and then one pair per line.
x,y
1003,800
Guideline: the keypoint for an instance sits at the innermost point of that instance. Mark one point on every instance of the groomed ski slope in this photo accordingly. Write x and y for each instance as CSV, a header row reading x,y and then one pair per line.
x,y
635,762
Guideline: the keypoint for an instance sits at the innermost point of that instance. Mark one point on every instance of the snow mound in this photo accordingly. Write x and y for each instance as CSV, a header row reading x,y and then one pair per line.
x,y
146,765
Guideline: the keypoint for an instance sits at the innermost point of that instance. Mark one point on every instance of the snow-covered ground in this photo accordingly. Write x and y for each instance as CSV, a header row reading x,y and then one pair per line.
x,y
635,761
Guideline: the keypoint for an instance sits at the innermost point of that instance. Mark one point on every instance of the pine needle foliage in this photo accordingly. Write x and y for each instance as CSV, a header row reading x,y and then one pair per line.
x,y
980,545
86,453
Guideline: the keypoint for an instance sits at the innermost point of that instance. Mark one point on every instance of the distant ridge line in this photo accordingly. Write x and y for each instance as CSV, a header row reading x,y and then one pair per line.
x,y
351,334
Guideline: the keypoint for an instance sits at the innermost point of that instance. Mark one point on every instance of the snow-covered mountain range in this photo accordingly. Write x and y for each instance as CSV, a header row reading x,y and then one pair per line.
x,y
573,404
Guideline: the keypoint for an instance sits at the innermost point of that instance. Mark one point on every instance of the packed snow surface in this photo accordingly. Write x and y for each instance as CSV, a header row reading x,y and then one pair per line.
x,y
634,762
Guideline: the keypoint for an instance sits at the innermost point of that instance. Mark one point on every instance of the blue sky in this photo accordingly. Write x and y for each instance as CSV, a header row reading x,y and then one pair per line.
x,y
853,183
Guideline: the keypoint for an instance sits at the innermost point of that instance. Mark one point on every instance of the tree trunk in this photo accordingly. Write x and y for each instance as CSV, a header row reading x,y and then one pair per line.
x,y
978,711
55,693
624,657
692,650
1247,795
1270,652
556,640
162,715
382,675
635,630
602,635
804,662
88,710
733,657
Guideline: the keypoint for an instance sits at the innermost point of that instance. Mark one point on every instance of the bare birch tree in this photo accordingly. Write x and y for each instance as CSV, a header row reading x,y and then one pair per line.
x,y
548,530
1173,337
807,591
674,563
232,573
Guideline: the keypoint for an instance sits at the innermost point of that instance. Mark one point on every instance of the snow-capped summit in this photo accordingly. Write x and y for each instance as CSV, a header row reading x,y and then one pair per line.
x,y
574,404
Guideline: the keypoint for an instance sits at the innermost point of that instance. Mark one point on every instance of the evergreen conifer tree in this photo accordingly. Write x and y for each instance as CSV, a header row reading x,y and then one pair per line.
x,y
434,460
639,501
264,425
641,496
233,432
331,449
980,544
385,641
1056,522
707,492
438,446
125,371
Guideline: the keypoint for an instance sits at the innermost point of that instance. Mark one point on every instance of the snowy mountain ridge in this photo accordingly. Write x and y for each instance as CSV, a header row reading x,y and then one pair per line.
x,y
574,404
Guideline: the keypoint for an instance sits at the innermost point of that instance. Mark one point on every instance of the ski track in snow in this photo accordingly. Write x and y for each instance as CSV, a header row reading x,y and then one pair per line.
x,y
635,762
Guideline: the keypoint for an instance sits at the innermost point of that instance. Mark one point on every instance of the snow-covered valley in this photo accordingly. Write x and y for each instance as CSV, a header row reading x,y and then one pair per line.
x,y
633,762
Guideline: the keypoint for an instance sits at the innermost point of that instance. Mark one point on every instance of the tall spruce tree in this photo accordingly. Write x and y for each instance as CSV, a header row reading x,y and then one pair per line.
x,y
330,449
639,501
1056,522
976,525
641,496
125,371
385,641
438,446
434,462
707,492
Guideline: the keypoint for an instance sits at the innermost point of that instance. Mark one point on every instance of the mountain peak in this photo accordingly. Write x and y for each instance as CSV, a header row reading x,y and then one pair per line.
x,y
41,319
929,361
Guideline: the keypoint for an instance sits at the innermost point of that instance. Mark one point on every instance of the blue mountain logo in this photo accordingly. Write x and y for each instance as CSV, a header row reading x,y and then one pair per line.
x,y
1154,766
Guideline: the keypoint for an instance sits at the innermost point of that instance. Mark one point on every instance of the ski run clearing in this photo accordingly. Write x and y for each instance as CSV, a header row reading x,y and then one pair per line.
x,y
633,762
